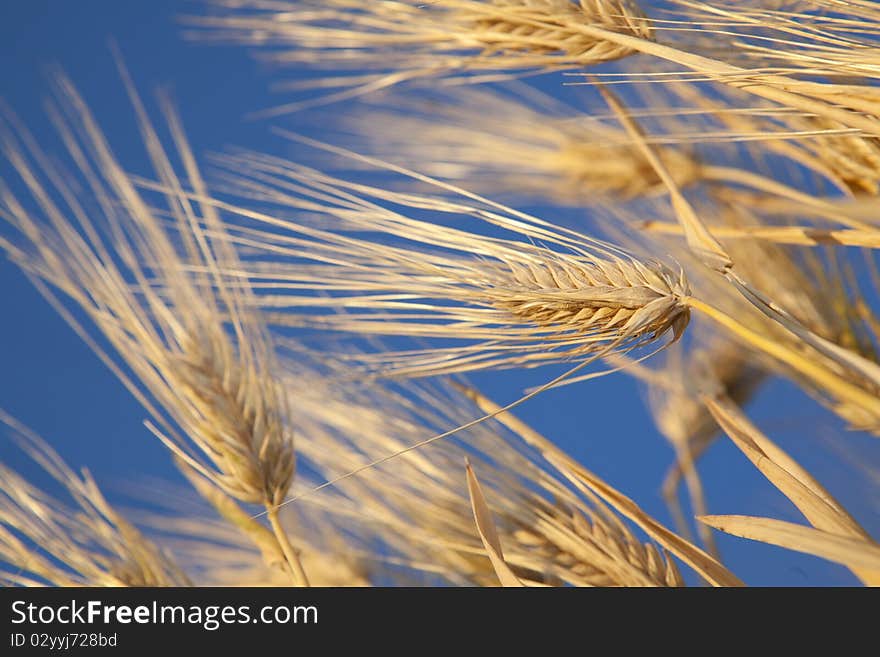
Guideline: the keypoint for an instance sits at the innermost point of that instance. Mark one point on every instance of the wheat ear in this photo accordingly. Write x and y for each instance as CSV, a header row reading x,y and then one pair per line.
x,y
167,325
406,39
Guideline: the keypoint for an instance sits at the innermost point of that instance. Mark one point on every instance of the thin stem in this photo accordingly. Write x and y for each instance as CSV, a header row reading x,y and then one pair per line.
x,y
290,553
268,542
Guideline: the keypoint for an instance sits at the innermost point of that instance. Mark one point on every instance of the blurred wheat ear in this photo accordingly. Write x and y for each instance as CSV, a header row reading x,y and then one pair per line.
x,y
155,292
405,40
88,543
513,144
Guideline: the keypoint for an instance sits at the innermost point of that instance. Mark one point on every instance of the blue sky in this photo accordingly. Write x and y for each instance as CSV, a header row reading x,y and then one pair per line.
x,y
52,382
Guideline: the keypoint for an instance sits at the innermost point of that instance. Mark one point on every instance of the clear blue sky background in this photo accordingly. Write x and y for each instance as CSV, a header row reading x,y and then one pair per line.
x,y
51,381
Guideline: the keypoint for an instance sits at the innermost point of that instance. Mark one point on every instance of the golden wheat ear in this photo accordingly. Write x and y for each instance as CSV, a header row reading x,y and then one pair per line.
x,y
514,291
603,527
192,349
404,40
407,39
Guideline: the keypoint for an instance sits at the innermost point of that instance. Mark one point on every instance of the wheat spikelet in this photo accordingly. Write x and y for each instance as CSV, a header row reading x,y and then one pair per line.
x,y
247,444
511,302
406,39
89,543
585,549
450,34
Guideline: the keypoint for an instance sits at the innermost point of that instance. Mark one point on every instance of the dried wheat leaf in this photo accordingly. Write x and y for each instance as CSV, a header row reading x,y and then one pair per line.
x,y
488,533
785,473
807,494
850,552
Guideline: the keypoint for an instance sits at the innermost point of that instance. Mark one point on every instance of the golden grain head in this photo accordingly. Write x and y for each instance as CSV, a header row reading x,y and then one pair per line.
x,y
549,26
436,37
585,549
236,423
193,352
853,159
621,172
507,302
629,298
